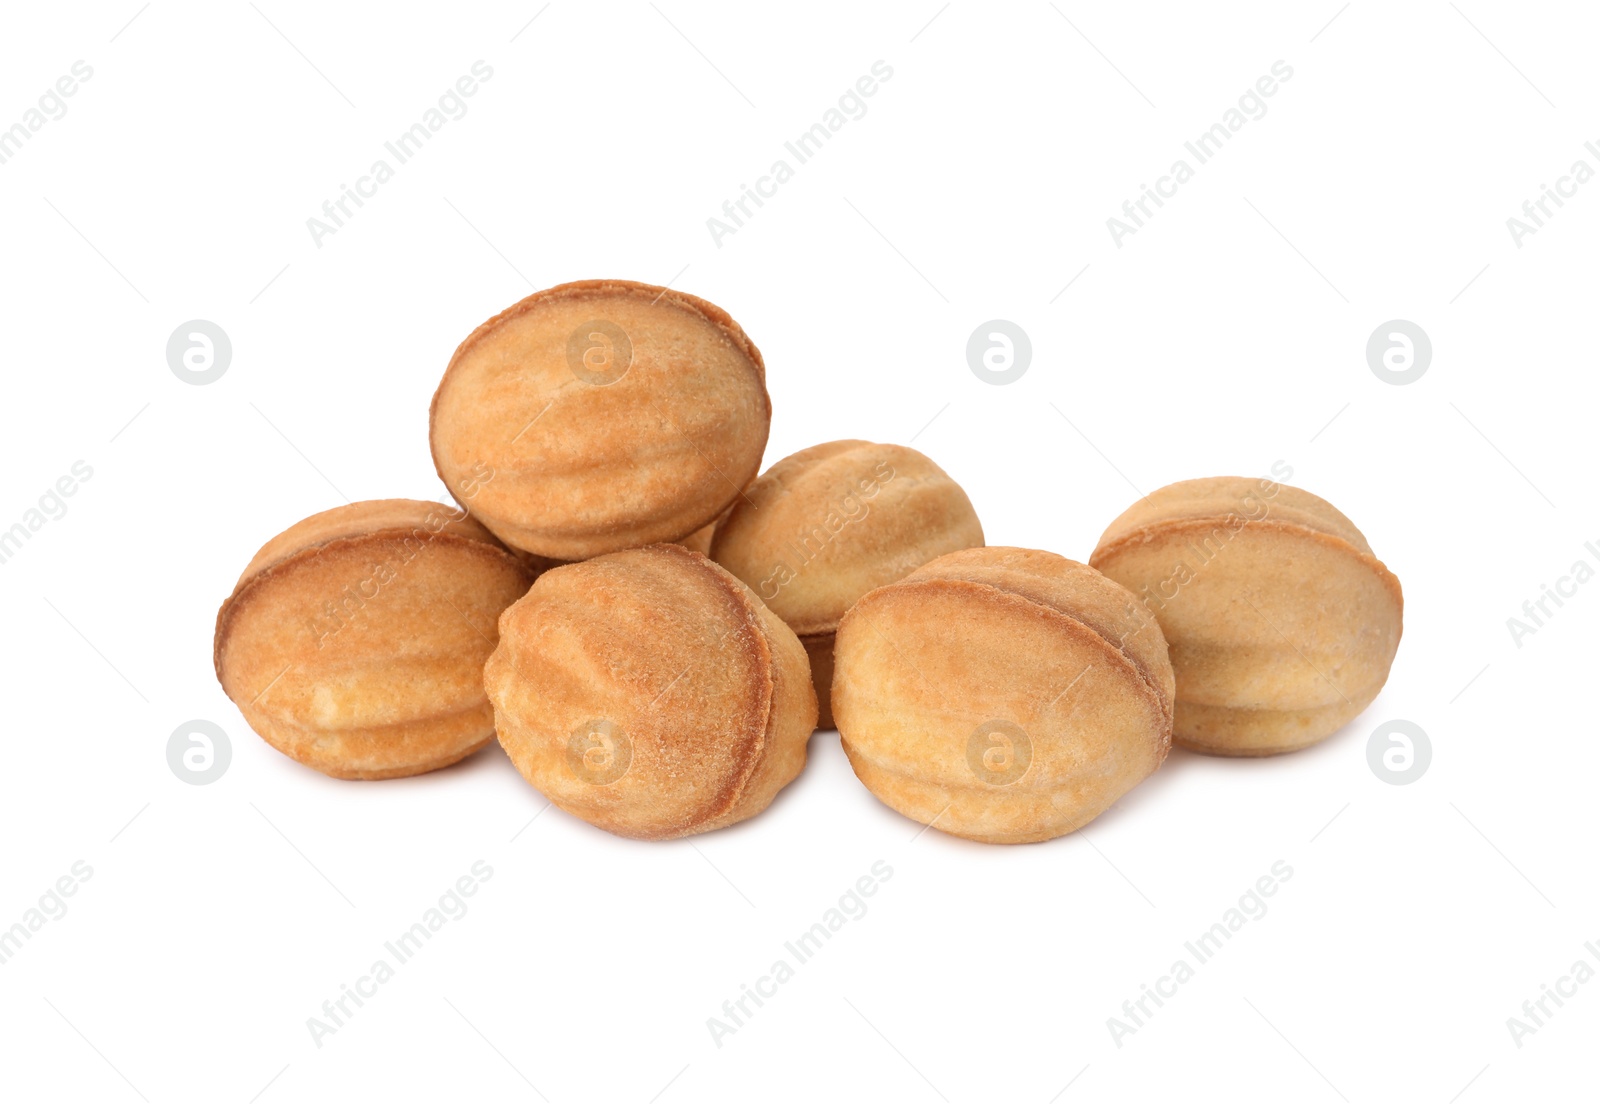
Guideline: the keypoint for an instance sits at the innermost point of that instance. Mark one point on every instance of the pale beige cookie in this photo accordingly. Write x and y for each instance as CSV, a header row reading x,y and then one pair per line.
x,y
610,414
650,693
355,640
825,526
1282,622
1002,694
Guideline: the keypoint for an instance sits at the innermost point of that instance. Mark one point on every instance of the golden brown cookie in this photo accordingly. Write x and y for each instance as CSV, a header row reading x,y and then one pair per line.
x,y
610,414
650,693
1001,694
1282,622
355,640
825,526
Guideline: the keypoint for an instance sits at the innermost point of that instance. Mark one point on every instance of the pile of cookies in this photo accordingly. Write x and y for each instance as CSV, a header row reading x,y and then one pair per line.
x,y
653,631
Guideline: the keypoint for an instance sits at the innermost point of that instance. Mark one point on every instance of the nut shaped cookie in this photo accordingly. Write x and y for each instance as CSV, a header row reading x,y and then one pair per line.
x,y
611,415
650,693
1281,621
355,640
825,526
1003,695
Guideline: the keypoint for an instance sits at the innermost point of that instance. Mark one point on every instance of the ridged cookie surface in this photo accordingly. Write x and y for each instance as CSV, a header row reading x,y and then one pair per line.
x,y
1282,622
650,693
611,414
355,640
1002,694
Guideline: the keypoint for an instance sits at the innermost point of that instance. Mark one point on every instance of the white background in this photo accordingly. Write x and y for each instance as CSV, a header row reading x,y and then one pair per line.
x,y
1227,334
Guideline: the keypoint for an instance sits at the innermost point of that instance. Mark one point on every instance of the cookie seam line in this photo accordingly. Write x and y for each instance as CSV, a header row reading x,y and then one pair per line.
x,y
389,535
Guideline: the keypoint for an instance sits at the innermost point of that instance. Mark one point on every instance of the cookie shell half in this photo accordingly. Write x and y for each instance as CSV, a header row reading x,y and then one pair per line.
x,y
1282,623
354,641
650,693
600,415
1003,695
